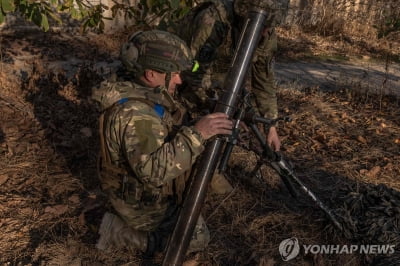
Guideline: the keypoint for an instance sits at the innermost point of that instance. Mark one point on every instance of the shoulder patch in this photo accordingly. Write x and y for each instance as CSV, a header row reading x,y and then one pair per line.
x,y
159,110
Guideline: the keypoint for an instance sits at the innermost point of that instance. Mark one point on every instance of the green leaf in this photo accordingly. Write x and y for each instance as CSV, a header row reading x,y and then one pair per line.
x,y
55,17
29,12
2,17
36,16
23,9
45,23
184,11
7,5
84,13
175,4
74,13
69,3
92,22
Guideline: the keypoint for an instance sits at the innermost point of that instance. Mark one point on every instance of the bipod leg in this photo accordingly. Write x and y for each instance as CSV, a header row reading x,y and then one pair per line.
x,y
267,154
256,172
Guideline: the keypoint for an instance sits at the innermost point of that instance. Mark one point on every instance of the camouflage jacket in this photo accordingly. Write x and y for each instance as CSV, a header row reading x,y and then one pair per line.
x,y
211,30
146,153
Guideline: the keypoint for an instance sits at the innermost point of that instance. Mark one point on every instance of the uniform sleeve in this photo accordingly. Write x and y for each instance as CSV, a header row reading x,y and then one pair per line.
x,y
152,159
263,80
209,34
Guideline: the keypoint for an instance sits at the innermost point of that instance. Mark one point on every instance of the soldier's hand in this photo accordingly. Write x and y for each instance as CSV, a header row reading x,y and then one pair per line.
x,y
214,124
273,139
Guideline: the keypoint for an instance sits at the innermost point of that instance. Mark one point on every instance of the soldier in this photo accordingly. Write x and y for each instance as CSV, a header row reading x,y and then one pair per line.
x,y
211,31
146,153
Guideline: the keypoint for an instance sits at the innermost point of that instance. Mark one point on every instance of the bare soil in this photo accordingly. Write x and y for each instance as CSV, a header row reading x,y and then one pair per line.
x,y
344,146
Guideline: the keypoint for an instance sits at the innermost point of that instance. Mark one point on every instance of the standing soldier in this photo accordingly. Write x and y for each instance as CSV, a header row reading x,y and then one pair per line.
x,y
146,153
212,31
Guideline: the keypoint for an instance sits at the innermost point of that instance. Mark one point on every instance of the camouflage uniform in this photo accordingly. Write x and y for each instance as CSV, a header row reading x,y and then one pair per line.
x,y
212,36
146,156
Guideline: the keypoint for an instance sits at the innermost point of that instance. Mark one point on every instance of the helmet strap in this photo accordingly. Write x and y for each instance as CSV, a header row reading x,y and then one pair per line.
x,y
167,79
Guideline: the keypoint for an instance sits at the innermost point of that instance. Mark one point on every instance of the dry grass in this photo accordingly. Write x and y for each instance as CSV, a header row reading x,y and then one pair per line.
x,y
50,202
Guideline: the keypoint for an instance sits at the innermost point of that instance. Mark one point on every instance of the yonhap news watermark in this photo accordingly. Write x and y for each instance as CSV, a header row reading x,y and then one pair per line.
x,y
291,248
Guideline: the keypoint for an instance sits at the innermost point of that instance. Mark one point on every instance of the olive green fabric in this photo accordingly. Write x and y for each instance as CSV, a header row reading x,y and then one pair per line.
x,y
156,50
211,31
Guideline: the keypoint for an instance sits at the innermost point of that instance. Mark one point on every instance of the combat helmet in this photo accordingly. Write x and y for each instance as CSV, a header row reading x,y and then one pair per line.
x,y
157,50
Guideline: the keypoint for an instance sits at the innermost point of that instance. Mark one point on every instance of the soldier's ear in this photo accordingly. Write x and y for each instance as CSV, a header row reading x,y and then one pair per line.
x,y
152,77
148,74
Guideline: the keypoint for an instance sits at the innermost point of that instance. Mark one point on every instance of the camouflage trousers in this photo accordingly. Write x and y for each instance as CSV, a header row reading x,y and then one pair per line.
x,y
160,223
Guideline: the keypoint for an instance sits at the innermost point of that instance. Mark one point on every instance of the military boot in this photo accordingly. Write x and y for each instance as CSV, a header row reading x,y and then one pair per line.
x,y
219,184
114,232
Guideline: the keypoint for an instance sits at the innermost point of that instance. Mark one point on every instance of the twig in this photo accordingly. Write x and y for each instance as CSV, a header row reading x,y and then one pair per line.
x,y
9,104
1,55
387,63
222,202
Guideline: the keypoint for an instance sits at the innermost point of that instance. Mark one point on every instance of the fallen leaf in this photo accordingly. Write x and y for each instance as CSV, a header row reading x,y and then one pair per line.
x,y
361,139
321,138
81,219
389,166
363,171
26,211
374,171
3,179
74,199
56,209
352,120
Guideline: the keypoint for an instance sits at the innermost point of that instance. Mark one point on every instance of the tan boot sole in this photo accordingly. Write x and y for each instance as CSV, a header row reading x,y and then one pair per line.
x,y
104,241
